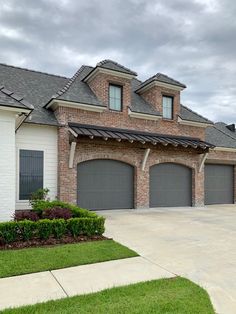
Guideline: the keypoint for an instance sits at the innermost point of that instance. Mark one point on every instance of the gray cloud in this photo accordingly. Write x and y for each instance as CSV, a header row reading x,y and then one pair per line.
x,y
192,41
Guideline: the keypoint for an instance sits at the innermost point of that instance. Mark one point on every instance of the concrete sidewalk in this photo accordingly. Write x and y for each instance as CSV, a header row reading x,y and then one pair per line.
x,y
51,285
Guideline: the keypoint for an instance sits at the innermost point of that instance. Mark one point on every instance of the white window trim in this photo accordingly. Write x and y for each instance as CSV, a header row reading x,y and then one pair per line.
x,y
172,107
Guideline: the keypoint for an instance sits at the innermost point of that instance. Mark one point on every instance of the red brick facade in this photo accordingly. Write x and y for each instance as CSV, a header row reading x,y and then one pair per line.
x,y
132,154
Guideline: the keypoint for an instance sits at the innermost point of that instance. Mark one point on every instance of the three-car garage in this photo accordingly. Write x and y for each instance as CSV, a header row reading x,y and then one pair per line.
x,y
110,184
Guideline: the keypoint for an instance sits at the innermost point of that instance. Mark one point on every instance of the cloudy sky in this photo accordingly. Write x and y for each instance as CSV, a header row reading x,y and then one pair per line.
x,y
191,41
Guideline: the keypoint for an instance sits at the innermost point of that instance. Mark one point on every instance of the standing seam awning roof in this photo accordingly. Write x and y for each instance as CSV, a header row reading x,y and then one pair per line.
x,y
93,131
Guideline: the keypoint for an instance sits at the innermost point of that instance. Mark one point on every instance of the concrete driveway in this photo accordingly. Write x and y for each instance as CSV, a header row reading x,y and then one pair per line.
x,y
196,243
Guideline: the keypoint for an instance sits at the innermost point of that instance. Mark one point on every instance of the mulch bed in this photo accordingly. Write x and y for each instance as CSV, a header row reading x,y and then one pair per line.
x,y
50,242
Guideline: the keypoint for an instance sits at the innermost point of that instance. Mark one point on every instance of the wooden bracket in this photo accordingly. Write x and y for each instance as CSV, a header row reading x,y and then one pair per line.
x,y
145,157
204,157
72,154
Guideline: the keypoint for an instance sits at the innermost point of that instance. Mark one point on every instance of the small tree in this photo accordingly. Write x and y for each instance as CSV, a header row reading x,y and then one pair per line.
x,y
40,194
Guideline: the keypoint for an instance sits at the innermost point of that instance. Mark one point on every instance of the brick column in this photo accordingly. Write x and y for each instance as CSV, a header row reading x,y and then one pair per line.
x,y
142,188
67,186
198,188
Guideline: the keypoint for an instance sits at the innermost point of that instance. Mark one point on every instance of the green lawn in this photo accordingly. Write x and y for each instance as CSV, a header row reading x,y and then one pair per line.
x,y
165,296
31,260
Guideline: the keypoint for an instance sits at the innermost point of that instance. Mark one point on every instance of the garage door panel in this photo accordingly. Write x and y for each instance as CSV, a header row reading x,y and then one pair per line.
x,y
219,184
170,185
105,184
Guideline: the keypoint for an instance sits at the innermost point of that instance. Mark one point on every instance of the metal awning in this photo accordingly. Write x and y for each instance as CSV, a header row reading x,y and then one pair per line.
x,y
93,131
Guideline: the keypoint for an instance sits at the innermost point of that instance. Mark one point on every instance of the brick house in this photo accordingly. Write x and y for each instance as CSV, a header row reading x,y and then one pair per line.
x,y
105,140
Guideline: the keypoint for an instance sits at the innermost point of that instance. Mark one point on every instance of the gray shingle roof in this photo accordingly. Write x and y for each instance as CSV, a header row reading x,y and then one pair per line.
x,y
221,136
11,99
38,89
160,77
35,87
112,65
138,104
76,90
190,115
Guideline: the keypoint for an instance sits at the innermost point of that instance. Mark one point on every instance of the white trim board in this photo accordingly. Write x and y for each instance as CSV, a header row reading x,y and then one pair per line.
x,y
193,123
144,116
225,149
76,105
109,72
160,84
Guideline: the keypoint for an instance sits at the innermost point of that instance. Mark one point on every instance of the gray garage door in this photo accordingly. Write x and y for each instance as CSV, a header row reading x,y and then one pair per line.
x,y
170,185
219,184
105,184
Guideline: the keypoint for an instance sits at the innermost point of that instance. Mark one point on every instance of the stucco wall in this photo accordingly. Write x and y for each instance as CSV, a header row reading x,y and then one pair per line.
x,y
44,138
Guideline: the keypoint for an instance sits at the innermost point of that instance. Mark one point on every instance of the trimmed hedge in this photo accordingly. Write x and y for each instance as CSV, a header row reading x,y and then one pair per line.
x,y
42,205
26,230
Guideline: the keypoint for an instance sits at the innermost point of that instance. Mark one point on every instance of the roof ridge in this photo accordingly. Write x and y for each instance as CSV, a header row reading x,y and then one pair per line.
x,y
16,97
69,83
224,132
165,75
30,70
100,63
196,113
158,77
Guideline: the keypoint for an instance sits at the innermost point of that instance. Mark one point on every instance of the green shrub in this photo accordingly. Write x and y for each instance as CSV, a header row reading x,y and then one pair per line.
x,y
44,228
86,226
8,231
81,212
26,229
40,194
100,225
59,228
40,205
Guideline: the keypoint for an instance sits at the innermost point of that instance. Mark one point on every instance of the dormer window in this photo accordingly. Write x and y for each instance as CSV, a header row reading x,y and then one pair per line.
x,y
115,97
167,107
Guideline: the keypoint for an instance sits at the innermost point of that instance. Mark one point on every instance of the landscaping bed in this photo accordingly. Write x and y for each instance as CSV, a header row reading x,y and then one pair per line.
x,y
50,242
50,223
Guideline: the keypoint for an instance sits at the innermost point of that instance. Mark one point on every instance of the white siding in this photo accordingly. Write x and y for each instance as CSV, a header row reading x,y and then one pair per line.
x,y
7,165
37,137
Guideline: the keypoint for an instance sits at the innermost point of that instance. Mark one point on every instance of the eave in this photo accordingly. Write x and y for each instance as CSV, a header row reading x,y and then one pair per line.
x,y
55,103
194,123
145,116
98,70
151,84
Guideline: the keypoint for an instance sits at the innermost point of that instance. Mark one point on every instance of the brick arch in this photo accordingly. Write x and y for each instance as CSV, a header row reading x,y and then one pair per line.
x,y
186,163
107,157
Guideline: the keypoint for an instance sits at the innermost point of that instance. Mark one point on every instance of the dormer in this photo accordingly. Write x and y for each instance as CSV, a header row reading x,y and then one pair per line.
x,y
111,83
163,93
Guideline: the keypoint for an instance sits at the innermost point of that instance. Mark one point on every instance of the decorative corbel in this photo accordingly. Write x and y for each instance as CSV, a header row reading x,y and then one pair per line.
x,y
204,157
72,154
145,157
